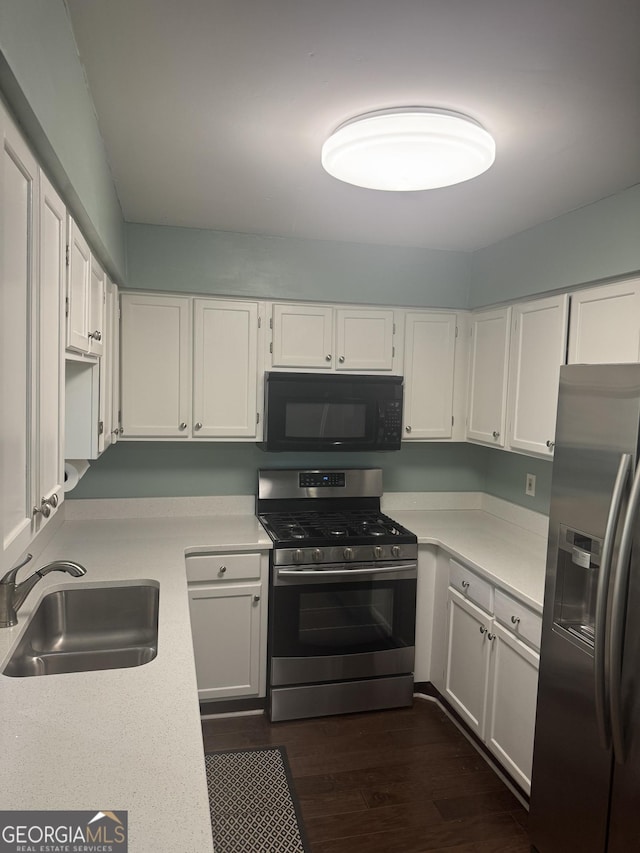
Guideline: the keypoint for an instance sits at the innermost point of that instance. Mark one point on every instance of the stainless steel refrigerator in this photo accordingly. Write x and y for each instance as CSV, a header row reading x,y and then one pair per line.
x,y
585,794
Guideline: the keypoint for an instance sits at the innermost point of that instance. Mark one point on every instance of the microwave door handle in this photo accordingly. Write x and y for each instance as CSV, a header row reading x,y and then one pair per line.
x,y
601,670
618,610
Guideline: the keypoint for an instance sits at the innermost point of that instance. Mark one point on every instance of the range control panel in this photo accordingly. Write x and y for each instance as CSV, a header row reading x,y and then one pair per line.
x,y
320,479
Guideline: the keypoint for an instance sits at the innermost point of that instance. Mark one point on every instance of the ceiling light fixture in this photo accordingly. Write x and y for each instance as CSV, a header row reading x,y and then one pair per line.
x,y
408,148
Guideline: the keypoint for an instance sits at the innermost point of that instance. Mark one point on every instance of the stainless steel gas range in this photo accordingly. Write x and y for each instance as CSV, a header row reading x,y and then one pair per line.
x,y
342,594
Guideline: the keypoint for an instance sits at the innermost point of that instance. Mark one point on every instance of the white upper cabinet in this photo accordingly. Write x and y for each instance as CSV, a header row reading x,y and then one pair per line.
x,y
225,343
109,369
488,373
605,324
156,360
302,336
538,349
86,289
429,358
320,337
189,378
364,339
33,240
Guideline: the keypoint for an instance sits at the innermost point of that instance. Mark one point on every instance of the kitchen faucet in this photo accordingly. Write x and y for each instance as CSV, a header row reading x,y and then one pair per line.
x,y
12,594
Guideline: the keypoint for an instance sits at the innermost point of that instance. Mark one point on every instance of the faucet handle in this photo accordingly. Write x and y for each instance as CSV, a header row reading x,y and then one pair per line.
x,y
10,576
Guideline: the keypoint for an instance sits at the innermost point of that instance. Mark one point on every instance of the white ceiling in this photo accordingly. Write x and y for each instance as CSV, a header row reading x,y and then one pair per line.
x,y
213,112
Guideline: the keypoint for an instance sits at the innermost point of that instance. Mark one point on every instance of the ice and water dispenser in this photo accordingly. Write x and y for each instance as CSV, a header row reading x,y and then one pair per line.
x,y
579,557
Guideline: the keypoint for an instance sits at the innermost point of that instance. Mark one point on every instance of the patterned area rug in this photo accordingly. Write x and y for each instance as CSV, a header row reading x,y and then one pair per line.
x,y
253,804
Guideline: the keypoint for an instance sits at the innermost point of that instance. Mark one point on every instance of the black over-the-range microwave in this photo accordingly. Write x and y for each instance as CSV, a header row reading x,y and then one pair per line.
x,y
338,411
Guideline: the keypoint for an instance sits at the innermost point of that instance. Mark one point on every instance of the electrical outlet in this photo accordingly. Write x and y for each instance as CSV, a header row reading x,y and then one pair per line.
x,y
530,485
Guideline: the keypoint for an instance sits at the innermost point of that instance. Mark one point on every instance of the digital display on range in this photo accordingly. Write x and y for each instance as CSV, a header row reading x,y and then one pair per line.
x,y
320,479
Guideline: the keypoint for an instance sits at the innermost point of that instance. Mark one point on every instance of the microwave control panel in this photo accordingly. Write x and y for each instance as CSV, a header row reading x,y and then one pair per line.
x,y
390,420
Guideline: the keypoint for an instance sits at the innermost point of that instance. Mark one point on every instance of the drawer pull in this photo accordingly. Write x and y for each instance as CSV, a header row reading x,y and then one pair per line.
x,y
222,570
515,620
465,584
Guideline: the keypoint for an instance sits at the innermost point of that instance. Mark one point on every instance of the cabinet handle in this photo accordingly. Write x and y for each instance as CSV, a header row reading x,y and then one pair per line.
x,y
328,357
44,509
182,426
407,429
222,570
96,336
483,630
341,359
465,584
495,433
256,599
550,444
491,637
53,501
515,620
198,425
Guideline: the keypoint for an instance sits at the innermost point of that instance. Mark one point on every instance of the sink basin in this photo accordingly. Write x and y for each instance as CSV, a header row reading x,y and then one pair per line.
x,y
89,628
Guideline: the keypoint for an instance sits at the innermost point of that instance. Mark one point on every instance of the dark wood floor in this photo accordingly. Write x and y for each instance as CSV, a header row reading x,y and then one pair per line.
x,y
402,781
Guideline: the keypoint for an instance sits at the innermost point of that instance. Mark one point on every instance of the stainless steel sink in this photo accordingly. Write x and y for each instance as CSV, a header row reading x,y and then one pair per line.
x,y
89,628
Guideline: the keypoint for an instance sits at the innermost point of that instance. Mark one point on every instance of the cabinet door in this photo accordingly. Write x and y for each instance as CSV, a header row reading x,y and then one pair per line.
x,y
50,337
538,348
18,272
605,324
79,276
364,339
467,660
486,417
97,298
225,622
156,366
109,369
225,336
429,354
302,336
513,686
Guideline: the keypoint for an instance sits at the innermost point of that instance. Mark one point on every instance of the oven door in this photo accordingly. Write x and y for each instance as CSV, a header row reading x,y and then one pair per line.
x,y
341,622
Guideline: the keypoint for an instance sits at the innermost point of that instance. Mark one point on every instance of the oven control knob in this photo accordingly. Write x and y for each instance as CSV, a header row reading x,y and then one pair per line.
x,y
378,552
298,556
348,553
395,551
316,555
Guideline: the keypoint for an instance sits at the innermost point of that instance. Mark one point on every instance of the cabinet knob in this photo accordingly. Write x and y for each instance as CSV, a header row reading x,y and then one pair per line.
x,y
256,599
328,357
222,570
53,501
495,433
95,336
491,637
182,426
341,359
515,620
465,584
483,630
407,429
44,509
198,425
550,444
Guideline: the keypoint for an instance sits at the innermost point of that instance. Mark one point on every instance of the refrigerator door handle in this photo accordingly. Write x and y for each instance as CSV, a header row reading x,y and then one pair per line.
x,y
602,700
618,607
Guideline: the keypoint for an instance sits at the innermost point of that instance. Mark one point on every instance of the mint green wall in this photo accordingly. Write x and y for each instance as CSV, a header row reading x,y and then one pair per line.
x,y
225,263
43,83
505,477
596,242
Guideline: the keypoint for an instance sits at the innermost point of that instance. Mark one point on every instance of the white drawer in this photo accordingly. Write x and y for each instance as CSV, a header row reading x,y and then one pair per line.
x,y
471,585
518,618
223,567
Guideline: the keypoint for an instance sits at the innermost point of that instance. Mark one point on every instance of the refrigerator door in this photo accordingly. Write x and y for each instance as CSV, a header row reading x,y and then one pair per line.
x,y
624,826
597,433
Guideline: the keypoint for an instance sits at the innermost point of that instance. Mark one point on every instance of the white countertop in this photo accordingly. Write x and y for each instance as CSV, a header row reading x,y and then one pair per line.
x,y
130,738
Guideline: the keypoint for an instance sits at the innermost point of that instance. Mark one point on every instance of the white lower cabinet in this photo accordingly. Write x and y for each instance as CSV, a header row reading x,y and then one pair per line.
x,y
491,673
228,607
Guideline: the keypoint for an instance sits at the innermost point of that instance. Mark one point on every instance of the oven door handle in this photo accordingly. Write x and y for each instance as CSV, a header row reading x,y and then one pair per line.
x,y
296,573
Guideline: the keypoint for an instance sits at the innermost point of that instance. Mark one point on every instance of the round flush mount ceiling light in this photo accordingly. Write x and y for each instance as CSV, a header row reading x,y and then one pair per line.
x,y
407,149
